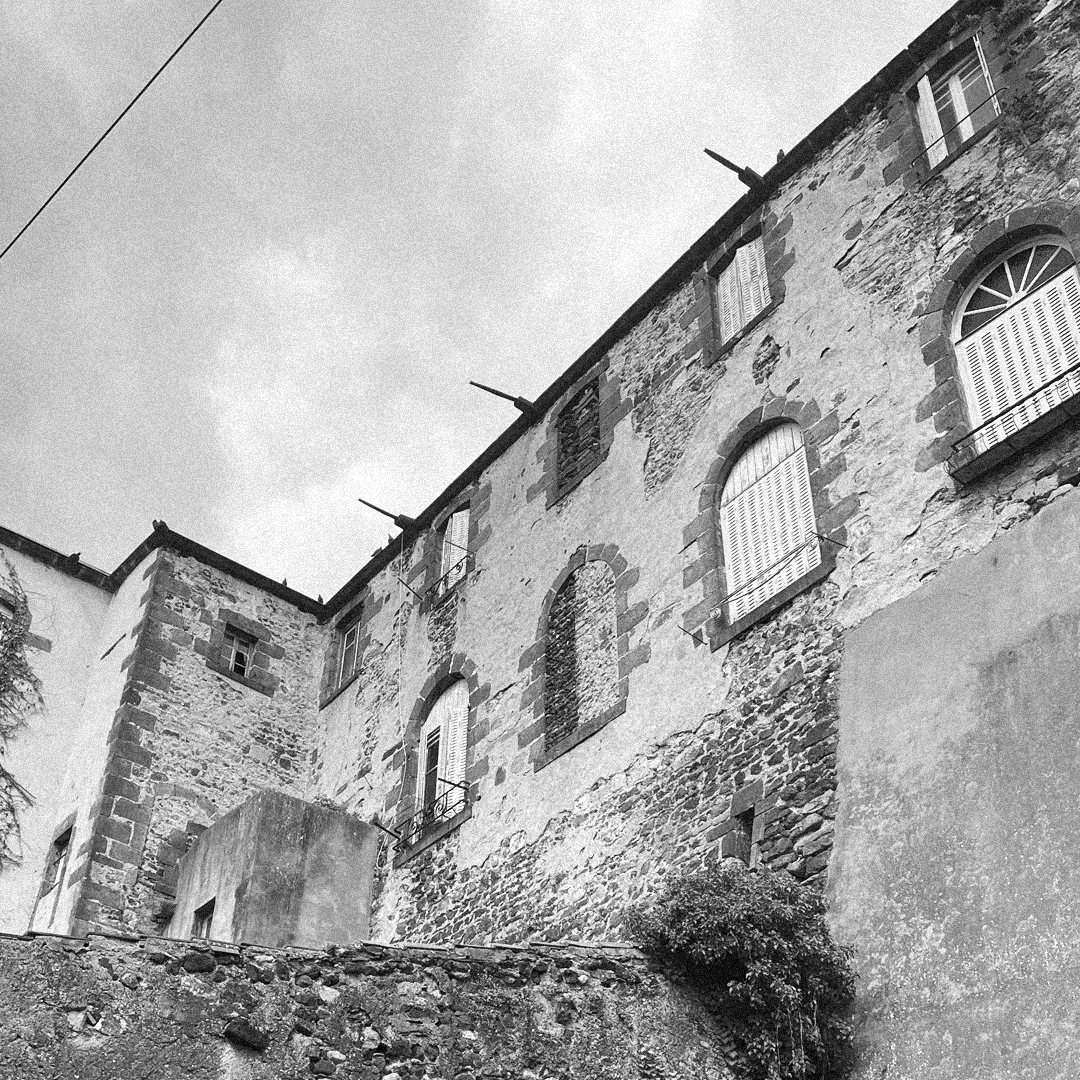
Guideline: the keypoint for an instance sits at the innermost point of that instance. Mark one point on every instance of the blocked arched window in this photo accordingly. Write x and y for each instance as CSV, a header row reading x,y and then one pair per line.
x,y
582,673
1017,337
767,528
440,774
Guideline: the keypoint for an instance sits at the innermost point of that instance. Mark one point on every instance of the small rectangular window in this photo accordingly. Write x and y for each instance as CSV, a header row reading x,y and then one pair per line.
x,y
239,650
56,864
455,550
349,642
578,428
955,101
203,922
742,289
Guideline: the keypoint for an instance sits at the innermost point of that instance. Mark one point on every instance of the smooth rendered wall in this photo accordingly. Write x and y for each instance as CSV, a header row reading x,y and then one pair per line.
x,y
956,869
67,616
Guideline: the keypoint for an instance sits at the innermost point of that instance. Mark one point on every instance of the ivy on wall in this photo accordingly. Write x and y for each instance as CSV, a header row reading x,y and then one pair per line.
x,y
20,694
755,943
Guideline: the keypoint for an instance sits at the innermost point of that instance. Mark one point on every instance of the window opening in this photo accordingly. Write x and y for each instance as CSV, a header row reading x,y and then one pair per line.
x,y
739,842
56,863
441,790
204,920
349,642
767,520
454,563
1017,334
742,289
578,430
239,650
956,103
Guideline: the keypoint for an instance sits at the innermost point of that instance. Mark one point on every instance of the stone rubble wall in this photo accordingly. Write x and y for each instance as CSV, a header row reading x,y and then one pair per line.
x,y
118,1006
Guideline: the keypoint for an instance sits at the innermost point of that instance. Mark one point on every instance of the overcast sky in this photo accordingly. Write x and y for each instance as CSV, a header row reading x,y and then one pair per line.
x,y
266,291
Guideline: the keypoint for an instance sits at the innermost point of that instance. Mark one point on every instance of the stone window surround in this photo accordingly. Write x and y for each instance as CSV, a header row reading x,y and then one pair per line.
x,y
360,612
612,410
704,530
535,657
705,312
902,138
66,825
259,677
425,573
407,754
945,404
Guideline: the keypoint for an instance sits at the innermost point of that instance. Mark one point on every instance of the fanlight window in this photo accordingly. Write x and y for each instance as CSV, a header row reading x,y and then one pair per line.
x,y
767,520
1018,341
441,767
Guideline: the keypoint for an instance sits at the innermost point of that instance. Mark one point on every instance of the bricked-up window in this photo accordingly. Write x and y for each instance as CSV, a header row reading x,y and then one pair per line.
x,y
203,923
56,863
349,641
767,528
742,289
1017,337
239,649
578,430
443,742
955,100
581,680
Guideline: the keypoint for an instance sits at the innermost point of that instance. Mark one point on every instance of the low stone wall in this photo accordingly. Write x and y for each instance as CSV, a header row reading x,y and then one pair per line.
x,y
107,1007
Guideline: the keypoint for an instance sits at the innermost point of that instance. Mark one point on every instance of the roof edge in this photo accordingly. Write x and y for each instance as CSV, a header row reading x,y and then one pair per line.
x,y
65,564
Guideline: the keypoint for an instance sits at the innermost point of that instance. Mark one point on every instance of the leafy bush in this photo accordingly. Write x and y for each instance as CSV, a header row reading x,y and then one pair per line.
x,y
756,943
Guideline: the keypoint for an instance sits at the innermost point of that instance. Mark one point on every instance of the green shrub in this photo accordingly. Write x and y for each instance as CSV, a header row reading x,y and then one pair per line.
x,y
756,943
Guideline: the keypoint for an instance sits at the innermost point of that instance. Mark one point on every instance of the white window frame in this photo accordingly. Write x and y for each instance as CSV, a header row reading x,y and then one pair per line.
x,y
1032,343
236,642
449,715
352,631
929,103
742,289
767,527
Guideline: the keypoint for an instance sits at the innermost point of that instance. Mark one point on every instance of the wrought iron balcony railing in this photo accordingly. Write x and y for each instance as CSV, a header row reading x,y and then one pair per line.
x,y
412,828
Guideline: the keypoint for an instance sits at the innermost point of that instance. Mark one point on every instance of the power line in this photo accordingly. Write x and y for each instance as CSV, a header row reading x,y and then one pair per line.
x,y
82,160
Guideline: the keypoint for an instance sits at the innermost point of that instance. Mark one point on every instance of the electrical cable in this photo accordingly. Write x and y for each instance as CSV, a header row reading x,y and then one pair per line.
x,y
83,159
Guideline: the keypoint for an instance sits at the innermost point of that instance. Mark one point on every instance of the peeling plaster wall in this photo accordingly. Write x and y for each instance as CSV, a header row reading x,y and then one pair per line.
x,y
112,1008
955,871
562,849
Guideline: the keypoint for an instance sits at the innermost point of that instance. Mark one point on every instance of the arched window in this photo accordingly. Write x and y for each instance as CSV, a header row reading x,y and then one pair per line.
x,y
440,774
1017,337
767,528
582,674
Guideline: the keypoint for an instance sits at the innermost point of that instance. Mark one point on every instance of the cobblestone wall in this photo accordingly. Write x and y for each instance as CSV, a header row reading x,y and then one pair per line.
x,y
122,1007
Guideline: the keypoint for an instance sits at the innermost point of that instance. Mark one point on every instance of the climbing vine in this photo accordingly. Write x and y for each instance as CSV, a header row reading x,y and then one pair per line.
x,y
20,694
756,944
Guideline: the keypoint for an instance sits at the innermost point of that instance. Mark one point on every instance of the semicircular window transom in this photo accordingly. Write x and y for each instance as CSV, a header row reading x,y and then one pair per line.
x,y
1015,277
1018,341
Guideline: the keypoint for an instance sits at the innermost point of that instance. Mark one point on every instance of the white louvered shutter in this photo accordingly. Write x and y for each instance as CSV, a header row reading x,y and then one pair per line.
x,y
767,520
930,124
455,546
727,290
455,737
753,280
1030,344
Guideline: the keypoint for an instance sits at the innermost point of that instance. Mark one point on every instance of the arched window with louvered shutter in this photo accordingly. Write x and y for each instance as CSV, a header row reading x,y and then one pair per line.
x,y
1017,337
767,528
440,775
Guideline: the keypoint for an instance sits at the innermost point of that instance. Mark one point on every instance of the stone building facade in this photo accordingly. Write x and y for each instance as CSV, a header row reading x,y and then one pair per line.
x,y
635,706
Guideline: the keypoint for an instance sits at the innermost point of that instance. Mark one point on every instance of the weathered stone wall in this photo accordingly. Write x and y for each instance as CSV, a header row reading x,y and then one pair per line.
x,y
189,741
112,1007
714,729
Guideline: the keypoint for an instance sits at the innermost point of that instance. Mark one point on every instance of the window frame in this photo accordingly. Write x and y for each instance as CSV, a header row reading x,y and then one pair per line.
x,y
926,103
202,921
732,264
242,644
350,628
589,457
